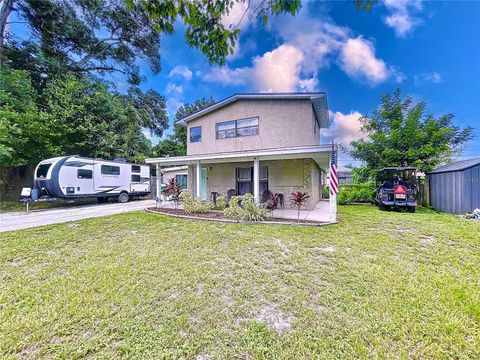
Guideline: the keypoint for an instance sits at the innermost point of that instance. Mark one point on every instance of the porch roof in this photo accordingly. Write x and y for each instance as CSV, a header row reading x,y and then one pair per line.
x,y
319,153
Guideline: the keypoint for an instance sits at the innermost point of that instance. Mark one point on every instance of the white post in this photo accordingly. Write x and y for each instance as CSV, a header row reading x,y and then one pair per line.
x,y
199,179
159,185
333,198
256,180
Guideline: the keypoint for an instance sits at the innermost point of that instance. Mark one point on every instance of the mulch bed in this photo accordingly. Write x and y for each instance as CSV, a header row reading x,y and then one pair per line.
x,y
215,215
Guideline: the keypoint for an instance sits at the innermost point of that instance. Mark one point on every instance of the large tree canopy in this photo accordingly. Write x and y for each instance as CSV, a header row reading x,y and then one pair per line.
x,y
92,36
73,116
400,133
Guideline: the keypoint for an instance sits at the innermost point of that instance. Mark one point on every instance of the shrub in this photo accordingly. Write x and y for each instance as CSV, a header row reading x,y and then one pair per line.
x,y
272,201
247,211
174,190
298,200
325,192
221,203
194,206
356,193
252,211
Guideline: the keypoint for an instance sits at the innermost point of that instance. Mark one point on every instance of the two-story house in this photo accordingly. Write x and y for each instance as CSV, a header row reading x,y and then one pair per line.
x,y
250,143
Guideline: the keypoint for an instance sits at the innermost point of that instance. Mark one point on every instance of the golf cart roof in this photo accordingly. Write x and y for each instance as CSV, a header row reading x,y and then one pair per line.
x,y
398,168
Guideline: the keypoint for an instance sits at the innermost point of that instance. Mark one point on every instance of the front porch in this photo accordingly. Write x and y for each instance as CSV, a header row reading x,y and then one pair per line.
x,y
281,171
319,213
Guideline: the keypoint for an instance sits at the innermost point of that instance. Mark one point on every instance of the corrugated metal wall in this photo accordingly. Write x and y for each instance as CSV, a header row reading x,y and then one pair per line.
x,y
456,192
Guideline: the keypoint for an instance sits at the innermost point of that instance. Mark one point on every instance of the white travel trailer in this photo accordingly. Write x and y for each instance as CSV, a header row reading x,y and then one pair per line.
x,y
74,177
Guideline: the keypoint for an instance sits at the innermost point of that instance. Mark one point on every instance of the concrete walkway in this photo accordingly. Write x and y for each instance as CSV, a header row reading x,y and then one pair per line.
x,y
320,213
21,220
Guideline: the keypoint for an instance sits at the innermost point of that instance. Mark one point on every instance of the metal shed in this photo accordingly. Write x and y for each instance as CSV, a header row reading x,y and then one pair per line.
x,y
455,187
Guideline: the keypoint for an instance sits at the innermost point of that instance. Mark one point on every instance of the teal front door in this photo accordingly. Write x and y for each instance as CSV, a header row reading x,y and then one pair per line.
x,y
203,184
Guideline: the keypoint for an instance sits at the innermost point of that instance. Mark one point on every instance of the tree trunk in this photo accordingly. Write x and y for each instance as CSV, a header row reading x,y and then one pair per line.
x,y
6,8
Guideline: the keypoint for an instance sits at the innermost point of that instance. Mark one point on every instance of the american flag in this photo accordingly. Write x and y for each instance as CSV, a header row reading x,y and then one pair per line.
x,y
333,173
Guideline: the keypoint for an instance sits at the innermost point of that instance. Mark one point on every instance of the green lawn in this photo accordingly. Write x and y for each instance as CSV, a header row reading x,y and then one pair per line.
x,y
139,285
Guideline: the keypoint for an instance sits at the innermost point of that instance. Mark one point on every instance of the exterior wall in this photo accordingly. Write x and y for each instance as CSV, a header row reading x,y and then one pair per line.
x,y
455,192
167,175
282,123
284,176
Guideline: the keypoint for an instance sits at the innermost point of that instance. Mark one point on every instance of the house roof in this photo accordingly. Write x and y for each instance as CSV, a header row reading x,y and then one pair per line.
x,y
175,168
319,153
457,166
343,169
318,99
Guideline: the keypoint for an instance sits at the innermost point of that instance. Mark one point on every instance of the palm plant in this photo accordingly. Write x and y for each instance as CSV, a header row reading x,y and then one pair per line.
x,y
298,200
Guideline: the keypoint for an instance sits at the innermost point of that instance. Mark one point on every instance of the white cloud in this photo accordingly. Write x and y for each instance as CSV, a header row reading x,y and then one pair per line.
x,y
433,77
279,69
174,89
344,128
181,71
401,18
358,60
172,106
228,76
294,65
238,17
308,85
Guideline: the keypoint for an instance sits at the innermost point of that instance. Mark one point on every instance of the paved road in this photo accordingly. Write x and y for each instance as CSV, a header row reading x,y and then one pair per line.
x,y
21,220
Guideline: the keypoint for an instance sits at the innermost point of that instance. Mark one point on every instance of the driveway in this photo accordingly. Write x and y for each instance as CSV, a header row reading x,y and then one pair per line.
x,y
21,220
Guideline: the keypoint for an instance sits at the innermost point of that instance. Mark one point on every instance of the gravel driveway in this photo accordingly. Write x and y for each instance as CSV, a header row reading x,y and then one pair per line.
x,y
21,220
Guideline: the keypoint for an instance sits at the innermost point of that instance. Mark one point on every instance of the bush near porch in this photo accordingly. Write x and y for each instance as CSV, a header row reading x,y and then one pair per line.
x,y
140,285
355,193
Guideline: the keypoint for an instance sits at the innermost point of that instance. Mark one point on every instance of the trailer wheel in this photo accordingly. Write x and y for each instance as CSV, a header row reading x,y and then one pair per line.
x,y
123,198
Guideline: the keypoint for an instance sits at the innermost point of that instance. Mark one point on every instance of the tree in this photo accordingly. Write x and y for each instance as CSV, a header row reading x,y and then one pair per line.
x,y
176,143
95,122
150,108
203,20
27,132
102,36
401,134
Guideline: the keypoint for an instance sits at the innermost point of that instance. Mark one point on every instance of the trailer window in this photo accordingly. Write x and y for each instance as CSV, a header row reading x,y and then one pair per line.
x,y
135,178
43,170
136,168
84,174
110,170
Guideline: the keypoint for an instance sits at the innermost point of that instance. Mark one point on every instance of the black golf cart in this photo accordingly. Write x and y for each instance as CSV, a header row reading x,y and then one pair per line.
x,y
396,188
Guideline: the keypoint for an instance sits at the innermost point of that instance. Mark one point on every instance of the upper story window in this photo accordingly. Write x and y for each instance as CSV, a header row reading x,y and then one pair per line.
x,y
235,128
196,134
110,170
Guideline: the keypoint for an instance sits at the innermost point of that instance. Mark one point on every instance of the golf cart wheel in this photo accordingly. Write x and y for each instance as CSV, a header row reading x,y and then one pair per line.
x,y
412,209
123,198
102,199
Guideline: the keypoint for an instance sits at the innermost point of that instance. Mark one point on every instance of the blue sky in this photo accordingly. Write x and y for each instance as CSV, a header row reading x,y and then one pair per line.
x,y
431,50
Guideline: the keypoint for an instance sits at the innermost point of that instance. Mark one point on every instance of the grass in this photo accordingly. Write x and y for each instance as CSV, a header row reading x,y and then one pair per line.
x,y
138,285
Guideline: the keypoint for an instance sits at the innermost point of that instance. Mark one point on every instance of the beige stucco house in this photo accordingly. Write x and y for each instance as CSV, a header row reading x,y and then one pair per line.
x,y
256,142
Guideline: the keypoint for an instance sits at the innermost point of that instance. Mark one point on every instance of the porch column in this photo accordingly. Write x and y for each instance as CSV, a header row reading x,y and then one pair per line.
x,y
197,169
256,179
159,185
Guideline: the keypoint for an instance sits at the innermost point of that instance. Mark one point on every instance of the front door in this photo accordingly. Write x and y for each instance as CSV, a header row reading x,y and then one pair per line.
x,y
203,184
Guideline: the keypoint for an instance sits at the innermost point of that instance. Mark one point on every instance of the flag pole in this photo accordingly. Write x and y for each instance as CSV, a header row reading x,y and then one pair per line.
x,y
333,192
